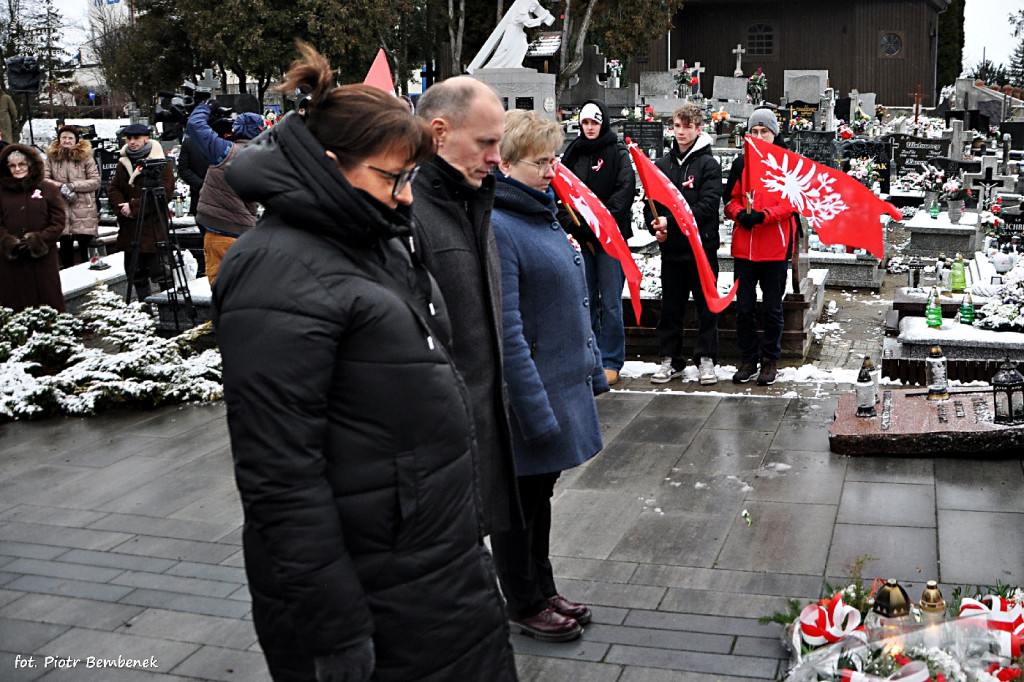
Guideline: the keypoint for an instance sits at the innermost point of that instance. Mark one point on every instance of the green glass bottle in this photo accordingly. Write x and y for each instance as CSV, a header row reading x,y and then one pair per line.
x,y
933,309
967,309
958,276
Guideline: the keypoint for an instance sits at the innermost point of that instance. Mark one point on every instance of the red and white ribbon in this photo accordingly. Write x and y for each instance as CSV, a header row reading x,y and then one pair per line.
x,y
826,624
1004,616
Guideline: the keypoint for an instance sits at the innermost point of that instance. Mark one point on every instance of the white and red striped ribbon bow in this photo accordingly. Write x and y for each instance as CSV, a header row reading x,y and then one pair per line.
x,y
915,671
825,624
1004,616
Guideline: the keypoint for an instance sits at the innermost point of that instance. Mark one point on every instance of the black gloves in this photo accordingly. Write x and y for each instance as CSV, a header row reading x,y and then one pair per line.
x,y
354,664
748,220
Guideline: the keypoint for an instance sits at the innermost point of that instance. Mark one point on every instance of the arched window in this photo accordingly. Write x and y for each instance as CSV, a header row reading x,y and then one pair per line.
x,y
760,40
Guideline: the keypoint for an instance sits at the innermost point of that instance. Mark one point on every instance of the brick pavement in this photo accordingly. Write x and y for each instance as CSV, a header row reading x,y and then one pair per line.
x,y
120,534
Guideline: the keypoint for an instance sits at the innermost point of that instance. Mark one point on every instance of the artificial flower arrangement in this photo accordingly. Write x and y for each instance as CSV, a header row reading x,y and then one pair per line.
x,y
684,77
757,86
929,179
991,223
631,113
1006,311
860,121
800,123
865,170
839,638
615,67
718,118
953,190
845,132
881,113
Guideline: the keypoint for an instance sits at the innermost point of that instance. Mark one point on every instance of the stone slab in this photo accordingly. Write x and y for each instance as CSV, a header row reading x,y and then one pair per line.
x,y
932,236
958,340
76,282
728,89
908,423
523,84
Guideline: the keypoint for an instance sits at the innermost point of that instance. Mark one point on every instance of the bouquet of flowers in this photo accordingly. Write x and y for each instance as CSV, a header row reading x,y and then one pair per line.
x,y
881,113
631,114
718,118
865,170
991,223
860,120
930,179
615,67
757,86
684,77
800,123
953,190
845,132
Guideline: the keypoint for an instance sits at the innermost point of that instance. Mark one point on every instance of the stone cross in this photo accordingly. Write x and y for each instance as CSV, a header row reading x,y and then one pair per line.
x,y
133,112
739,52
827,108
988,180
957,140
208,80
917,102
1007,140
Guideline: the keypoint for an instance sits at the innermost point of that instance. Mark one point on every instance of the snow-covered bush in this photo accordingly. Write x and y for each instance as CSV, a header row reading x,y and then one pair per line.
x,y
52,363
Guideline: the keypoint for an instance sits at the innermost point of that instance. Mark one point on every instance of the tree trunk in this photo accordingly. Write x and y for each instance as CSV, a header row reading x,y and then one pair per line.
x,y
571,54
456,28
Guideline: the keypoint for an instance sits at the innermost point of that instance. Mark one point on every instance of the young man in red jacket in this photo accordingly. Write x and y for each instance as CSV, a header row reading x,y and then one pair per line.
x,y
762,244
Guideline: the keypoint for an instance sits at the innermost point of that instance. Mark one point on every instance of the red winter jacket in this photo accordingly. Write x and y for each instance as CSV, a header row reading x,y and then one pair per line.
x,y
769,241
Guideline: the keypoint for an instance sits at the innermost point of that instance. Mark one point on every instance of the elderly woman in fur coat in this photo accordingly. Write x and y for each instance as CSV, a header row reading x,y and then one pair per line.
x,y
69,163
32,218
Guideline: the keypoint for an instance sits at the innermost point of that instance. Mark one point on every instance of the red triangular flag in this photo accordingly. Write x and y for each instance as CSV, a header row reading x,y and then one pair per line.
x,y
585,203
660,189
380,73
839,208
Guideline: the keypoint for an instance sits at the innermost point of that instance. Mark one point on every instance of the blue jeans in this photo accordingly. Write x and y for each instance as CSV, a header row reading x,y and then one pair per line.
x,y
771,275
604,287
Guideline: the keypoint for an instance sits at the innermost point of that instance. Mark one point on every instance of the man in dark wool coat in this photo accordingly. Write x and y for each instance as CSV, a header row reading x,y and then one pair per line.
x,y
454,194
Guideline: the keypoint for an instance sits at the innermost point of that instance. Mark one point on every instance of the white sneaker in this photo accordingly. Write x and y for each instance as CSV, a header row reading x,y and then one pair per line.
x,y
665,373
707,372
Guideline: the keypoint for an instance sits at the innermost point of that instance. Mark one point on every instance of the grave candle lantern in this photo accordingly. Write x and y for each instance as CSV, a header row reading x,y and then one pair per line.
x,y
935,375
914,267
933,606
865,393
1008,395
890,612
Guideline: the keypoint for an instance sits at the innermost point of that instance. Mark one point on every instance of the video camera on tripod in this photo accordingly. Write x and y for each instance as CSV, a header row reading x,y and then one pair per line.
x,y
173,110
152,170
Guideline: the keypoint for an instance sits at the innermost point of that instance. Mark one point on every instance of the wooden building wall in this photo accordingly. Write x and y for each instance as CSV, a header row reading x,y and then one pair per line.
x,y
843,37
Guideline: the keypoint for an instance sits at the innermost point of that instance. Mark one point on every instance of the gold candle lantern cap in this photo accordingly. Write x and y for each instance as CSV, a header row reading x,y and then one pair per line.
x,y
931,598
892,600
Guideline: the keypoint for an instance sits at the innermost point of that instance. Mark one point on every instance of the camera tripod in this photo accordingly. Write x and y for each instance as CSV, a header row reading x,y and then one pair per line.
x,y
167,252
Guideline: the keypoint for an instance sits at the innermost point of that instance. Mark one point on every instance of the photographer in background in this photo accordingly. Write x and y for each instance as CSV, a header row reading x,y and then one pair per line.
x,y
222,215
124,195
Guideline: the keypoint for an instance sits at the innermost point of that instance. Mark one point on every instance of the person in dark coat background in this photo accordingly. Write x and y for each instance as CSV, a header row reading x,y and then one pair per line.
x,y
351,428
552,366
598,159
693,169
452,222
32,216
124,195
192,167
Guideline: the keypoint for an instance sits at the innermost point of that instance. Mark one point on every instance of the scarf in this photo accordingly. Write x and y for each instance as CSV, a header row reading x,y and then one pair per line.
x,y
139,155
604,150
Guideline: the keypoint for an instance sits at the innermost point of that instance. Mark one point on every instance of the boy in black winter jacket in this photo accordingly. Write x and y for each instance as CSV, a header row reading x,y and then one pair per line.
x,y
692,168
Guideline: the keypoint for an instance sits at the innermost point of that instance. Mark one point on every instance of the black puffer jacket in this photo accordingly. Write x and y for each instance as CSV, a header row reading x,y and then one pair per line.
x,y
350,429
698,175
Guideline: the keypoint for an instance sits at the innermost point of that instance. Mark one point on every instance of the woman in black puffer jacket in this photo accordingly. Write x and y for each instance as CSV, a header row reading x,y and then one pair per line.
x,y
350,426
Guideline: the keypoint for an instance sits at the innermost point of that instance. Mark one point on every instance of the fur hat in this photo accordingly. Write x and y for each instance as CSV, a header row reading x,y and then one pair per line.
x,y
136,129
70,129
764,117
247,126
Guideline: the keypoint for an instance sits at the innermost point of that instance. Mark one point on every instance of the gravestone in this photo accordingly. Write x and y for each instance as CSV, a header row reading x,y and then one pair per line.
x,y
878,150
804,86
739,52
973,119
844,109
801,109
952,166
989,180
910,153
867,104
522,88
1016,130
958,139
993,109
209,81
649,136
588,85
732,94
819,146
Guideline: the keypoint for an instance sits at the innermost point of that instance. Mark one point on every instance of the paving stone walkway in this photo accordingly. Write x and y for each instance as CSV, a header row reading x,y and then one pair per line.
x,y
120,535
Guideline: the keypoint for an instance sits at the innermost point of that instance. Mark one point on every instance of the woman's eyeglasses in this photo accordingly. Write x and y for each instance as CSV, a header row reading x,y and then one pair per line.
x,y
18,164
543,165
401,179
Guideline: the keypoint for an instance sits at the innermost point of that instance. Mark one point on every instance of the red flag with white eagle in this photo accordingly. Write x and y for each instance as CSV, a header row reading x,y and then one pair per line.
x,y
839,208
585,203
660,189
380,73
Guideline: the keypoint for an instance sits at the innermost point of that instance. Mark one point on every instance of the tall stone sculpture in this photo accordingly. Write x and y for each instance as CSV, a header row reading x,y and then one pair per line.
x,y
508,41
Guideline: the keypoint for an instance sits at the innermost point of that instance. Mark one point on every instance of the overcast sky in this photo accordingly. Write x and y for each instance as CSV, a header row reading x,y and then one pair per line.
x,y
985,27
